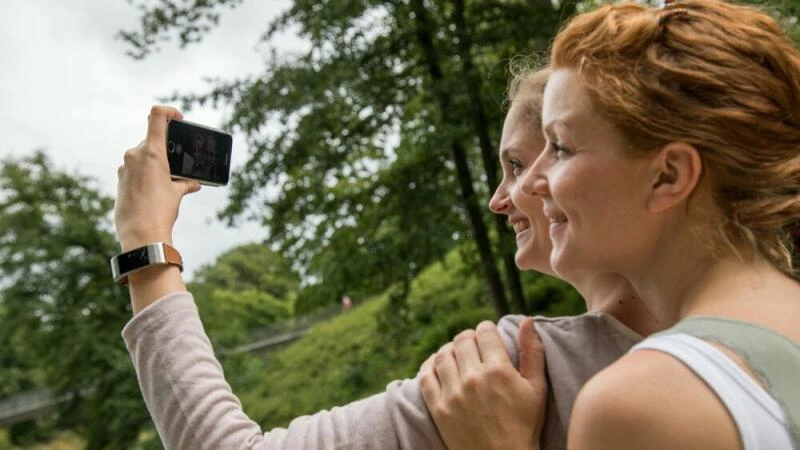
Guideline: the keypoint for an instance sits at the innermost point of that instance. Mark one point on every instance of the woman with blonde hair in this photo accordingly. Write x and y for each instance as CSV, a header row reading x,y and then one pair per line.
x,y
185,389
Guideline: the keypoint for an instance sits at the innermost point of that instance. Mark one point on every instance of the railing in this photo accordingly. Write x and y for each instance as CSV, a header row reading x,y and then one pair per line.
x,y
25,406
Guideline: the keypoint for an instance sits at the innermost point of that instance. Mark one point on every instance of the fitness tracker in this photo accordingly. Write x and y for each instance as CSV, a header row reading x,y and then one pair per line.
x,y
137,259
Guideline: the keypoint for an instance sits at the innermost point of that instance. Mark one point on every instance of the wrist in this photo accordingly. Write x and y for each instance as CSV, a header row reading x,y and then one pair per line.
x,y
142,258
131,240
156,282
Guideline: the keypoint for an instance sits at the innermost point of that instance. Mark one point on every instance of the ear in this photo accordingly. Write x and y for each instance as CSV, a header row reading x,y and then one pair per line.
x,y
677,170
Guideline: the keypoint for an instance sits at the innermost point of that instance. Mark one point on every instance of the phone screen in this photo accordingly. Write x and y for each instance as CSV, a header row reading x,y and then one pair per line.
x,y
198,152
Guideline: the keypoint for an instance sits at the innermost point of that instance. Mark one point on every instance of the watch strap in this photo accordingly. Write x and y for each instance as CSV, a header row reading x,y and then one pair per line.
x,y
157,253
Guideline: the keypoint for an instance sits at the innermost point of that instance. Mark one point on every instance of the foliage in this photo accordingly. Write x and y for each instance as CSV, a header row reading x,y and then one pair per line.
x,y
357,353
71,305
60,312
194,18
19,372
363,148
247,287
65,440
552,297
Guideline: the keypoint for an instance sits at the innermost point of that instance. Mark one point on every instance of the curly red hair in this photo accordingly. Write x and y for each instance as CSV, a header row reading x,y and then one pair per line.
x,y
719,76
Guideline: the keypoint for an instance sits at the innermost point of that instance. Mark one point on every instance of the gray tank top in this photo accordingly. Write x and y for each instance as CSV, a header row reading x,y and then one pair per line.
x,y
773,358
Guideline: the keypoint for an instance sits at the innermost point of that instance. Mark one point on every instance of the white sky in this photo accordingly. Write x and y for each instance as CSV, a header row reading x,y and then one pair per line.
x,y
67,86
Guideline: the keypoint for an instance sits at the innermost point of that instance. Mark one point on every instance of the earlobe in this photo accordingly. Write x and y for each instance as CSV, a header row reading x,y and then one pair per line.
x,y
678,167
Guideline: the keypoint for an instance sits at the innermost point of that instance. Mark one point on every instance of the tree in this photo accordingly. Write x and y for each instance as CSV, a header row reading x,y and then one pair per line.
x,y
60,308
247,287
384,121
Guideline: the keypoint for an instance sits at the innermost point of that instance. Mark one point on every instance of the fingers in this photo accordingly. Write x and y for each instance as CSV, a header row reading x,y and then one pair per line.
x,y
468,358
148,200
447,369
428,382
157,122
531,351
490,345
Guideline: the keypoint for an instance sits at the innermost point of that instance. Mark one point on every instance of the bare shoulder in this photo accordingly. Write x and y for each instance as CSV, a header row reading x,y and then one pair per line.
x,y
648,399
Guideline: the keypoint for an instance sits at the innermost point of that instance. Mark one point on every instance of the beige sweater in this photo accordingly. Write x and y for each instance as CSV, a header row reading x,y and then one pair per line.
x,y
193,407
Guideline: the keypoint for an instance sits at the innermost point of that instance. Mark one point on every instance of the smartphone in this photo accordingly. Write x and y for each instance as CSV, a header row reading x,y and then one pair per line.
x,y
198,152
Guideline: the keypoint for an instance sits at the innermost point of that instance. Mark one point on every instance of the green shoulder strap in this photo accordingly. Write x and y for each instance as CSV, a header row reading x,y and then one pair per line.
x,y
773,357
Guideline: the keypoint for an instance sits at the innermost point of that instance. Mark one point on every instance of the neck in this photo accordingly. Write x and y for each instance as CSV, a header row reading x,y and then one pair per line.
x,y
745,290
612,294
688,280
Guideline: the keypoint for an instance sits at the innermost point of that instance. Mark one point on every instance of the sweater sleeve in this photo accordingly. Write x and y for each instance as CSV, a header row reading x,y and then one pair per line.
x,y
193,406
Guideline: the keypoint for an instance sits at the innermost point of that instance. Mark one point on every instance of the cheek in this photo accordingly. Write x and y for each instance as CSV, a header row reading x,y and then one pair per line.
x,y
568,188
611,202
535,213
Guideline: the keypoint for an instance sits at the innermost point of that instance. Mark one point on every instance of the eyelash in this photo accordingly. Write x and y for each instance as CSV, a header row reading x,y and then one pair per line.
x,y
516,166
558,151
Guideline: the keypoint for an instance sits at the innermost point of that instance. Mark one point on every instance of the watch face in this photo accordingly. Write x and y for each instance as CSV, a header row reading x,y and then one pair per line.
x,y
133,260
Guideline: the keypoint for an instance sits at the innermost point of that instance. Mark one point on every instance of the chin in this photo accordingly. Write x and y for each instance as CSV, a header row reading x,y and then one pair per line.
x,y
522,260
526,261
562,267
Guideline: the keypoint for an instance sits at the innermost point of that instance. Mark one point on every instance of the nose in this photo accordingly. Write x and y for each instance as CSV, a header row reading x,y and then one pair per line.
x,y
500,201
534,181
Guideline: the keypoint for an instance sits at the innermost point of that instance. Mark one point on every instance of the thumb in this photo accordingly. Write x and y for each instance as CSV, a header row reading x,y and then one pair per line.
x,y
531,353
187,186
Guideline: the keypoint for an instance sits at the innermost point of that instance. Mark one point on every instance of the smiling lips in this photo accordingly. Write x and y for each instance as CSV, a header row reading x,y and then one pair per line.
x,y
553,215
520,226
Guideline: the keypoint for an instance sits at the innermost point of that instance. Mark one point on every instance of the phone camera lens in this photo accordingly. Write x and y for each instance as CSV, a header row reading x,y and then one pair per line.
x,y
171,147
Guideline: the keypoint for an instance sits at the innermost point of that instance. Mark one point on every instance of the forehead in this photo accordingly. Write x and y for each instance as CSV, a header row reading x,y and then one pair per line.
x,y
520,129
565,98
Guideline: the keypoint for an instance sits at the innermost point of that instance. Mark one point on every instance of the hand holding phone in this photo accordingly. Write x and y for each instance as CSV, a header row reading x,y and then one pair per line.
x,y
198,152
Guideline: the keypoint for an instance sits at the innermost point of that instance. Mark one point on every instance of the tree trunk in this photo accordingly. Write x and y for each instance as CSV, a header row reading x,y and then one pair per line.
x,y
488,151
424,35
479,229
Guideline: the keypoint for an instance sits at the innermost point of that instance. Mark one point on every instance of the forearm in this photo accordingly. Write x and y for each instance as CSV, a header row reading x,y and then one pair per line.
x,y
193,406
152,284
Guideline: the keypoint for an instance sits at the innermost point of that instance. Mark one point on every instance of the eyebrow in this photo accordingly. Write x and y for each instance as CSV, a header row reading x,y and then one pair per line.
x,y
505,151
548,128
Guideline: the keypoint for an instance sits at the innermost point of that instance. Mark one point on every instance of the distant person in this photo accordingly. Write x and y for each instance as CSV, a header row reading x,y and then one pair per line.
x,y
347,303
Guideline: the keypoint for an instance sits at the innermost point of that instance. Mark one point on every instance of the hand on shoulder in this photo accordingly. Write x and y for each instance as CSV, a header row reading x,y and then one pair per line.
x,y
478,399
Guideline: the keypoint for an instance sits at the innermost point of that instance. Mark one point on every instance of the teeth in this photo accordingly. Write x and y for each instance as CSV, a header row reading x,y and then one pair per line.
x,y
520,226
557,219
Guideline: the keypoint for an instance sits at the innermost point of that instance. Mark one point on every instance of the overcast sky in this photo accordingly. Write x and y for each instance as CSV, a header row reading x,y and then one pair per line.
x,y
66,86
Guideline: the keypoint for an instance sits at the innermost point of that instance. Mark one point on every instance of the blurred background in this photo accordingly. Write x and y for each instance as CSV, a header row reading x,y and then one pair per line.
x,y
353,239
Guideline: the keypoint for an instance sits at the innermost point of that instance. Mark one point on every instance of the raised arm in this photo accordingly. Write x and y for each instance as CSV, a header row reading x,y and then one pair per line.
x,y
182,382
147,207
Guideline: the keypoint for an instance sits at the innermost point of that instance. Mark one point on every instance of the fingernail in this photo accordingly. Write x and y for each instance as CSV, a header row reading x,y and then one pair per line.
x,y
485,326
